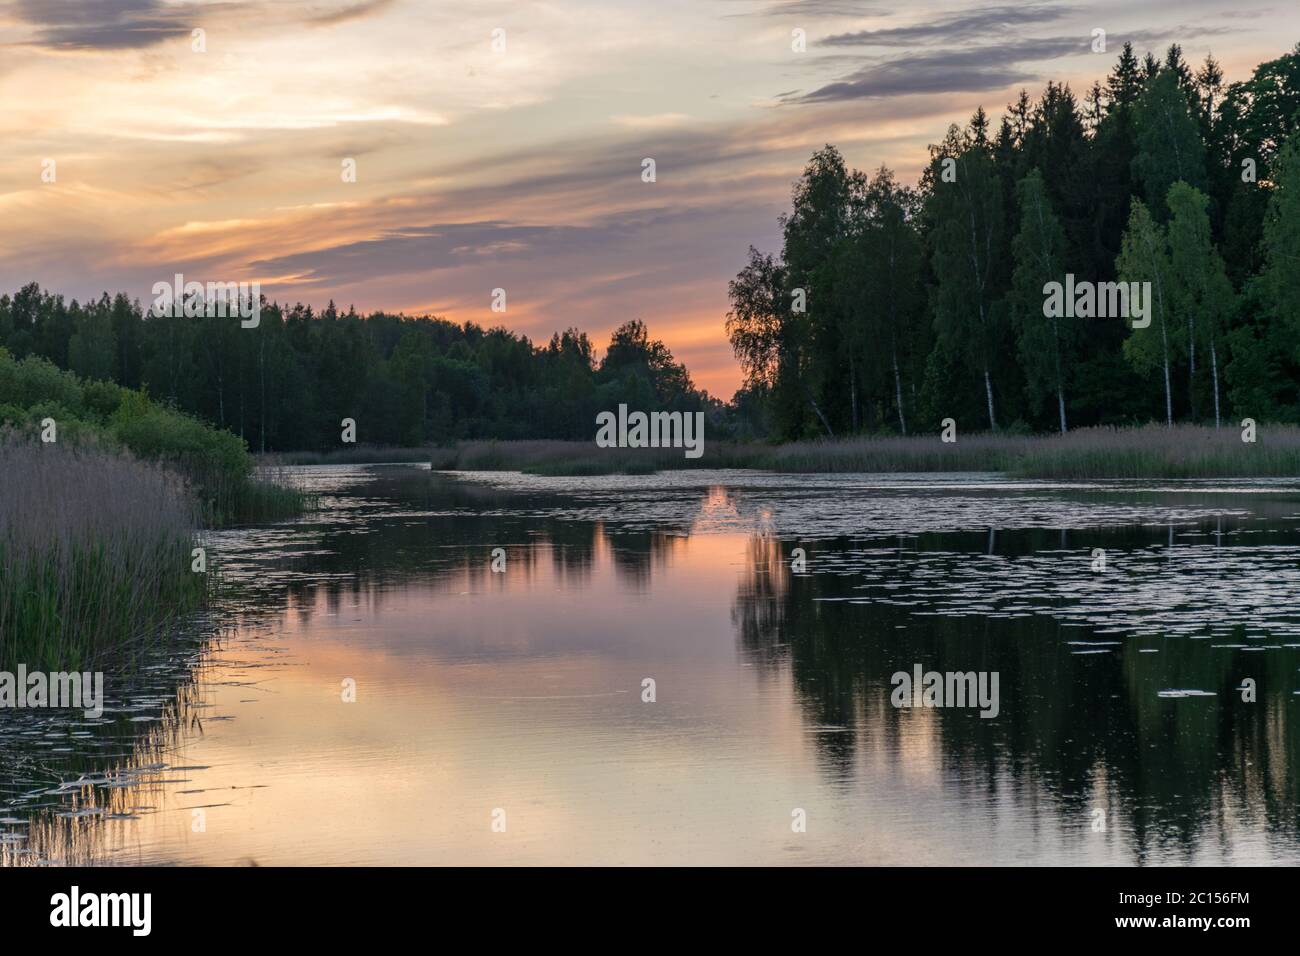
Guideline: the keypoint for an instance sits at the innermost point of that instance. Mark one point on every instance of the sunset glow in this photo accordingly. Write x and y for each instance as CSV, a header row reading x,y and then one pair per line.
x,y
517,168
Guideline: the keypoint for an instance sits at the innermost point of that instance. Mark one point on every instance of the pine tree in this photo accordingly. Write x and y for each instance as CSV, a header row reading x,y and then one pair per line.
x,y
1169,142
1124,85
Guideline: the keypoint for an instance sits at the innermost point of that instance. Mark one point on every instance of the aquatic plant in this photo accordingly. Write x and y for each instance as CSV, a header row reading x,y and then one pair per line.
x,y
95,553
1151,451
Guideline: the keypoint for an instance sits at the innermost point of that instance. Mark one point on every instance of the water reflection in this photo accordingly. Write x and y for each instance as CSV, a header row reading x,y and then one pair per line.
x,y
523,690
1079,730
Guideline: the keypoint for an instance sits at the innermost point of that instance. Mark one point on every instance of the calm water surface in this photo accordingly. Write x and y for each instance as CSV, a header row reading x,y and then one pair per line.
x,y
521,691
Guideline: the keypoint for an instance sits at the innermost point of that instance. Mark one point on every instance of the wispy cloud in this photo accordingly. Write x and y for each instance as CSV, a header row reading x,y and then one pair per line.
x,y
103,24
115,25
982,24
518,169
810,9
946,71
980,50
425,249
345,10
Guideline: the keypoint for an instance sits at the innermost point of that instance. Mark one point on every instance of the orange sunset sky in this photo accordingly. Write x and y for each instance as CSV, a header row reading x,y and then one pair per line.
x,y
517,168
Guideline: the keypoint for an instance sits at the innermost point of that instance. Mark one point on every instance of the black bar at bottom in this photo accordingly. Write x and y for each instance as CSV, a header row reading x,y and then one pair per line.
x,y
329,905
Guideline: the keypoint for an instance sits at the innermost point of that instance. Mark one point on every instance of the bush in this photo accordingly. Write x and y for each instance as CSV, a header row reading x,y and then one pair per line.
x,y
216,463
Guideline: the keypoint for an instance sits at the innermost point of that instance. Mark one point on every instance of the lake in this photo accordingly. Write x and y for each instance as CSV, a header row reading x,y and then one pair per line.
x,y
372,691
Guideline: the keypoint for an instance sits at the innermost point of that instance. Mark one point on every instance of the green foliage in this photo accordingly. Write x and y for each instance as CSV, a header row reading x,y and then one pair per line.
x,y
1146,181
95,548
1199,286
1280,278
1047,343
1144,259
215,463
288,383
886,308
968,242
33,380
1170,149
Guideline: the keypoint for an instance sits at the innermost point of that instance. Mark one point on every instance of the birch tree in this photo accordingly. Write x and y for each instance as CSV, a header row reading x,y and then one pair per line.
x,y
968,229
1144,258
1200,292
1047,343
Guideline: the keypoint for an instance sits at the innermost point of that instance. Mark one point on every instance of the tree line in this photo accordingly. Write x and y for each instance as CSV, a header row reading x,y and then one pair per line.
x,y
890,308
288,383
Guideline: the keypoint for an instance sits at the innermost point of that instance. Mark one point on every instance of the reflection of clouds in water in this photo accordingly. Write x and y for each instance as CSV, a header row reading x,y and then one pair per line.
x,y
72,790
815,647
68,782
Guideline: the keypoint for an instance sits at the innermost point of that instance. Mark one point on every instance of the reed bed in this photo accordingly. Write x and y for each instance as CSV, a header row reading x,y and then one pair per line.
x,y
95,554
356,455
270,493
1157,451
1151,451
265,493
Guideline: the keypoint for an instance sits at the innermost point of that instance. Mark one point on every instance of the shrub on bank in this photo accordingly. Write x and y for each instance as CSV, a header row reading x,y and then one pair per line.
x,y
214,462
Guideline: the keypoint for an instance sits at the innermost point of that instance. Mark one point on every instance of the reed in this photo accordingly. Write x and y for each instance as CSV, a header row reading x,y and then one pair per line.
x,y
357,455
1151,451
1156,451
95,554
215,462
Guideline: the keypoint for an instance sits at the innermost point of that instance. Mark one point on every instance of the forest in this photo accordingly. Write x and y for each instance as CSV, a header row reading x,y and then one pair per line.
x,y
289,383
890,308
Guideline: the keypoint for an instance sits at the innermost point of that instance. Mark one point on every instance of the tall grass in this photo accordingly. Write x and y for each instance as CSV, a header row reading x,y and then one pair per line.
x,y
1156,451
357,455
976,453
1151,451
214,462
230,498
95,553
270,493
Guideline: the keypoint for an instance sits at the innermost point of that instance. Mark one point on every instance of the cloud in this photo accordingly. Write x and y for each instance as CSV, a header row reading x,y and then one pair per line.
x,y
973,25
815,8
969,68
102,24
946,71
350,10
438,247
81,25
534,183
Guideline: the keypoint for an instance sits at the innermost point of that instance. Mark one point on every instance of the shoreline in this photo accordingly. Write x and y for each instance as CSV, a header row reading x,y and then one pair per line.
x,y
1139,452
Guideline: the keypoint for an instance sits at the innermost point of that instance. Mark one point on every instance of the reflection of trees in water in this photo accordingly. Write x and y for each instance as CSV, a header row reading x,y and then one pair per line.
x,y
78,806
431,529
443,531
637,555
1087,731
1074,732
